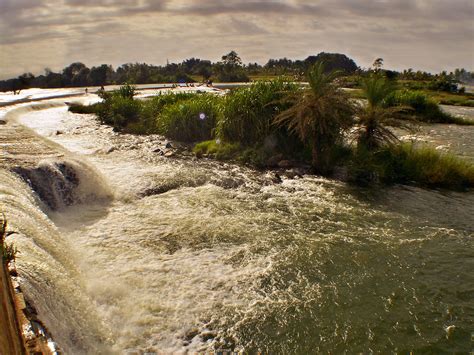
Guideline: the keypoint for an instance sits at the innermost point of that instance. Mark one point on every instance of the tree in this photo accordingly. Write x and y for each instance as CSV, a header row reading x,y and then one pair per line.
x,y
71,71
374,117
319,115
378,64
232,59
230,69
99,75
333,61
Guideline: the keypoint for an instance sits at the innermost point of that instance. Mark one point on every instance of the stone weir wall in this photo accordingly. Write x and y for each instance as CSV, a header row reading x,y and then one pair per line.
x,y
20,330
11,339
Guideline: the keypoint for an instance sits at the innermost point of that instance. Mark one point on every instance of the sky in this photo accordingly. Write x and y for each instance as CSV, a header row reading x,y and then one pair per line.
x,y
430,35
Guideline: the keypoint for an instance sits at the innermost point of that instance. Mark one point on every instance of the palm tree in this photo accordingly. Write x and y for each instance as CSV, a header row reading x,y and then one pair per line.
x,y
374,118
319,115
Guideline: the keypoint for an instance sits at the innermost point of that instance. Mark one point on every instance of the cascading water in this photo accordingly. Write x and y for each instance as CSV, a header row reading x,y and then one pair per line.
x,y
196,255
63,183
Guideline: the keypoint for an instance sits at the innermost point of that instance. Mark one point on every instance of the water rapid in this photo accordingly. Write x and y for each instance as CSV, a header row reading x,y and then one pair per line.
x,y
125,249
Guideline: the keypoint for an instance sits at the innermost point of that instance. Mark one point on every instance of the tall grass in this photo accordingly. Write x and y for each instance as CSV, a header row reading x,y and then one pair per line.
x,y
151,108
405,163
424,108
248,113
119,111
190,120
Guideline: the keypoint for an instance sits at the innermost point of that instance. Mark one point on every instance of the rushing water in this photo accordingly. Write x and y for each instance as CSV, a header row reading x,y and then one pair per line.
x,y
178,255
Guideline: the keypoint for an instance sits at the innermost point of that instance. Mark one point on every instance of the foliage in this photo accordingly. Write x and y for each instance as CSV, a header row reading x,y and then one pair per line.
x,y
333,62
443,83
83,109
151,108
8,251
126,91
217,149
375,117
248,113
118,108
423,107
318,115
405,163
190,120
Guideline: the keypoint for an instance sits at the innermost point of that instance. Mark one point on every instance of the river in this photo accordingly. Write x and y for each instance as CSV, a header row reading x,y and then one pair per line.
x,y
136,251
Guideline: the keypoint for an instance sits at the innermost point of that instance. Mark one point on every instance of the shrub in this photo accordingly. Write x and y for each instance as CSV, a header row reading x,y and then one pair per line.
x,y
119,111
405,163
191,120
126,91
151,108
83,109
217,149
424,108
248,113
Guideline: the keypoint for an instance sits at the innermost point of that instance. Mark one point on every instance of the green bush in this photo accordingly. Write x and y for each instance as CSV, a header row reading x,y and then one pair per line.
x,y
126,91
255,156
83,109
151,108
248,113
119,111
424,108
217,149
191,120
407,164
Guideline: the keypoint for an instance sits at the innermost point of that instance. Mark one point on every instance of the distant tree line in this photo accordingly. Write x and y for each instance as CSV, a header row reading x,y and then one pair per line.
x,y
229,69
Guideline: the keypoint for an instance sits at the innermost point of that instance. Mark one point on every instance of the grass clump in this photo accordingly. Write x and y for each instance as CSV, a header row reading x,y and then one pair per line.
x,y
190,120
217,149
76,107
407,164
8,251
119,111
255,156
248,113
423,108
151,109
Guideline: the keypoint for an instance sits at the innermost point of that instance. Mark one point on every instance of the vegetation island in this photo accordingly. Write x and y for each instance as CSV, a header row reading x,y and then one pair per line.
x,y
323,115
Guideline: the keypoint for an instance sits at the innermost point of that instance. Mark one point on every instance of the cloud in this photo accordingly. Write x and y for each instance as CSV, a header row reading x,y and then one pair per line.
x,y
426,34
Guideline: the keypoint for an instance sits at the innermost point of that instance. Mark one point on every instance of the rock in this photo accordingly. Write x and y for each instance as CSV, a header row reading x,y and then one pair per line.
x,y
2,122
158,151
58,133
276,178
191,334
169,153
208,335
285,164
273,161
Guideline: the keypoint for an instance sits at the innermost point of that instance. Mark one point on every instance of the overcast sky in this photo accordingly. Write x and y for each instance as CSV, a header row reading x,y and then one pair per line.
x,y
431,35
